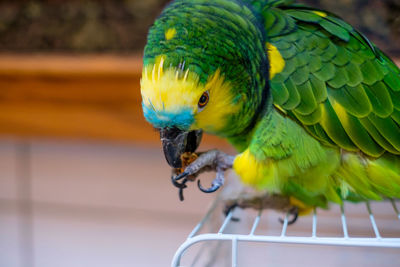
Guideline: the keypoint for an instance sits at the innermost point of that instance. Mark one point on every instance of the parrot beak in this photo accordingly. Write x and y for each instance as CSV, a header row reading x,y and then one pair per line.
x,y
175,142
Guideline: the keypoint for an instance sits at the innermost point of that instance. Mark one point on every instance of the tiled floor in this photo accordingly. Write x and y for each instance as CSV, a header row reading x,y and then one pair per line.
x,y
75,204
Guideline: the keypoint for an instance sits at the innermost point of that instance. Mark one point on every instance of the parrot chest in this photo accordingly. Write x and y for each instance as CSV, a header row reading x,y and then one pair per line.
x,y
282,157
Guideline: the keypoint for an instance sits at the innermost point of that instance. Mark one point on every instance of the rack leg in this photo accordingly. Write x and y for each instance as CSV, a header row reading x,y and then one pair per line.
x,y
234,252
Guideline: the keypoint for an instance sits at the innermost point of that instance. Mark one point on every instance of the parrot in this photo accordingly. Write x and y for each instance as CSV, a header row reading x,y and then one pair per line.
x,y
309,103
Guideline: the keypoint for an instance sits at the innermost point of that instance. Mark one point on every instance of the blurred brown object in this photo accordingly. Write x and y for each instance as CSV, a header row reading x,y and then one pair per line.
x,y
92,97
86,97
78,97
76,25
89,26
98,96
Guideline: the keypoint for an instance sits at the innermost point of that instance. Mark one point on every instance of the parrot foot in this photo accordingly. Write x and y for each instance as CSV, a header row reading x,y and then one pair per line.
x,y
228,208
294,211
210,160
260,202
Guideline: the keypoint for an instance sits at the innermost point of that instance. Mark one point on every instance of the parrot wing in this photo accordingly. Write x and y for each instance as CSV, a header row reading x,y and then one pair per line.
x,y
335,83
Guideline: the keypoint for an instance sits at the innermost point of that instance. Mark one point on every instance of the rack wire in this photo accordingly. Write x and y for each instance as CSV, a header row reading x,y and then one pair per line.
x,y
314,239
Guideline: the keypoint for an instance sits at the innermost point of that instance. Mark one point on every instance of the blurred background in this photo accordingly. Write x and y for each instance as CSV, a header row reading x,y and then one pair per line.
x,y
109,26
83,181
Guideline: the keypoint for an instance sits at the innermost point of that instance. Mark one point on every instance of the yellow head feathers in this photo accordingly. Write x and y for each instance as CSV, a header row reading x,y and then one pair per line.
x,y
170,92
170,33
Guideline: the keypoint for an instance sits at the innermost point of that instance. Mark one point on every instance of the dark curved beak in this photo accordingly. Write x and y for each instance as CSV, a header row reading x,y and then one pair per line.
x,y
175,142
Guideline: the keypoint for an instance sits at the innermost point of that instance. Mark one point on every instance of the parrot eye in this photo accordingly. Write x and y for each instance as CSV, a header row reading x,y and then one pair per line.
x,y
203,100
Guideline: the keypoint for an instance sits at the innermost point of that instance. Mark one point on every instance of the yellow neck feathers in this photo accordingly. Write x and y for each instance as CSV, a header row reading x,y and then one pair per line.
x,y
276,61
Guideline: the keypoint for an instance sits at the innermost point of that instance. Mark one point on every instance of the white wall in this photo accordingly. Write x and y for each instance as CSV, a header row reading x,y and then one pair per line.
x,y
74,204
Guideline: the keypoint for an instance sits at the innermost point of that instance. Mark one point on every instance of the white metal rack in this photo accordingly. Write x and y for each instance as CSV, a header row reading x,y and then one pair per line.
x,y
345,240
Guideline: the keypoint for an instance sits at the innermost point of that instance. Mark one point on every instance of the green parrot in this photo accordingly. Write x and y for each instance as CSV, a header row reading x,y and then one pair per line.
x,y
309,103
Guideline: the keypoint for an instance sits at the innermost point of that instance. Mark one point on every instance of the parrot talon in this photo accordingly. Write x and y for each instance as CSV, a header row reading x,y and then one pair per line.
x,y
181,176
216,183
211,160
295,213
178,185
228,209
212,189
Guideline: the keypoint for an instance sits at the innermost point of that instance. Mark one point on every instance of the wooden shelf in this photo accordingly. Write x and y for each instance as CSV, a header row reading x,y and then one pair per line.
x,y
73,97
94,97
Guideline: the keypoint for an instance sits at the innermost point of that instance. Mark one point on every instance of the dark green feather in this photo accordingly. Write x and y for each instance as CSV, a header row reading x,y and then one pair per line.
x,y
279,92
377,136
388,128
344,65
294,96
380,98
308,104
353,99
309,119
334,129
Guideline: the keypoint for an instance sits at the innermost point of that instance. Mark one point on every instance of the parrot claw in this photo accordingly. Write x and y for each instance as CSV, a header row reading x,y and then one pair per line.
x,y
210,160
295,213
229,208
212,189
261,202
178,185
216,184
181,176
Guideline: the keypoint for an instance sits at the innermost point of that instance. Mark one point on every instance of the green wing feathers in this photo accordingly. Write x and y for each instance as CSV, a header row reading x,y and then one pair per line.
x,y
343,89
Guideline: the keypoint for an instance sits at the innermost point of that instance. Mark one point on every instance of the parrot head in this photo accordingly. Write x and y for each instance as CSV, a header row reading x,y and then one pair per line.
x,y
205,69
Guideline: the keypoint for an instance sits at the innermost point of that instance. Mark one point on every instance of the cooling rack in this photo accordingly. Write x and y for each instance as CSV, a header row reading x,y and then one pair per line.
x,y
376,240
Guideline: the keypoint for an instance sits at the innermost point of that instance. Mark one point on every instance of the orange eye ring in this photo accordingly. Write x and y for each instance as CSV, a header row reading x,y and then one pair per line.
x,y
203,99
